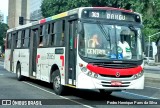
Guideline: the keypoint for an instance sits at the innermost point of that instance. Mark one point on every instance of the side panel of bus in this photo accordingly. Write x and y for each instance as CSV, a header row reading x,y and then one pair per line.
x,y
22,56
42,64
9,64
51,51
47,57
7,59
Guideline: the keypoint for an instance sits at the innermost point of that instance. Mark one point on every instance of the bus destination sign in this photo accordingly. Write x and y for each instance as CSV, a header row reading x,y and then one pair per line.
x,y
111,15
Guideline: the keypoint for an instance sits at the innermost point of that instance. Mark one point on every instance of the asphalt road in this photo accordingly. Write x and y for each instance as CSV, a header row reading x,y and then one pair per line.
x,y
10,88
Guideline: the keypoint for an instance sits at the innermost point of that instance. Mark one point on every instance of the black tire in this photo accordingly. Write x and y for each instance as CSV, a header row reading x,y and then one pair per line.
x,y
18,73
57,86
105,92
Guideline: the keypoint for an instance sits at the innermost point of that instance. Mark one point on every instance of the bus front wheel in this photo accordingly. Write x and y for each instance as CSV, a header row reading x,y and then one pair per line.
x,y
18,73
57,86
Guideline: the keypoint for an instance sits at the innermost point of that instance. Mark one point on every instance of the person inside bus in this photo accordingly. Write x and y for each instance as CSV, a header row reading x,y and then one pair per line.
x,y
123,44
94,41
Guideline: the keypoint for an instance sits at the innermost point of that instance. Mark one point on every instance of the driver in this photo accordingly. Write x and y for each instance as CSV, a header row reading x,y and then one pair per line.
x,y
94,41
123,44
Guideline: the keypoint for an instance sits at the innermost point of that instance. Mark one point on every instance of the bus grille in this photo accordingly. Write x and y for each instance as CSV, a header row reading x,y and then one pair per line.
x,y
115,65
108,84
115,86
113,76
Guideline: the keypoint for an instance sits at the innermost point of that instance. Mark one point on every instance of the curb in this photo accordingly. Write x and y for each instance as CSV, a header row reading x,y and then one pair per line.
x,y
152,77
153,68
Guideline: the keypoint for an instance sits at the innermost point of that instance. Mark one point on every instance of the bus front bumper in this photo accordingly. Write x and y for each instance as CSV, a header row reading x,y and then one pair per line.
x,y
87,82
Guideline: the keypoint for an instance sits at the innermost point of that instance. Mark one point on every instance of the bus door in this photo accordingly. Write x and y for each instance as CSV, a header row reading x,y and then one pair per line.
x,y
33,52
71,52
14,34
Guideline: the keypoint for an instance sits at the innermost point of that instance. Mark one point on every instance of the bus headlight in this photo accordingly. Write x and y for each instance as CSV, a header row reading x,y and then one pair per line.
x,y
95,75
84,69
138,75
89,73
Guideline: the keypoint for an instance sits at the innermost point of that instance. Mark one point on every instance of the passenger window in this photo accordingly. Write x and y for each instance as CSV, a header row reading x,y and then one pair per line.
x,y
27,38
19,39
52,36
9,41
42,36
57,37
23,38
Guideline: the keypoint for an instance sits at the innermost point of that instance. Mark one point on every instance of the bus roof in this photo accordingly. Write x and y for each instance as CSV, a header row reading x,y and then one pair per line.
x,y
64,14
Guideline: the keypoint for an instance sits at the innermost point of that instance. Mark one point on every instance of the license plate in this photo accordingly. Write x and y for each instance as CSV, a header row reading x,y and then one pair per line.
x,y
116,83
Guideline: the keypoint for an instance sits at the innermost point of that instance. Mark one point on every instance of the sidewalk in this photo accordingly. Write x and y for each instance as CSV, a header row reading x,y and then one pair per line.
x,y
155,67
152,77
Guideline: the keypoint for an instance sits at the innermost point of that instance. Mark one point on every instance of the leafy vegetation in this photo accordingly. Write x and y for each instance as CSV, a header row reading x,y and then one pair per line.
x,y
150,10
3,30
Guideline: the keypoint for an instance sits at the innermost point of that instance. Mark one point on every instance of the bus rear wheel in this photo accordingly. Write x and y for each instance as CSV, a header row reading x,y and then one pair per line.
x,y
105,92
18,73
57,86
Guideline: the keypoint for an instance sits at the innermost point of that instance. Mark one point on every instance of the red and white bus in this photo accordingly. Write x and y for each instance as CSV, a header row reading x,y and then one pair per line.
x,y
86,48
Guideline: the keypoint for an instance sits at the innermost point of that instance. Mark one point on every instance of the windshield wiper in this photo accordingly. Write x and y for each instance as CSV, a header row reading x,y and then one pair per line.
x,y
104,32
132,28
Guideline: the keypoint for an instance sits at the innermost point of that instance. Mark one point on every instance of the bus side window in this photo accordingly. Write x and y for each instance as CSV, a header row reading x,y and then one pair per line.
x,y
9,41
6,42
59,35
19,39
52,36
42,33
62,36
27,38
23,37
47,34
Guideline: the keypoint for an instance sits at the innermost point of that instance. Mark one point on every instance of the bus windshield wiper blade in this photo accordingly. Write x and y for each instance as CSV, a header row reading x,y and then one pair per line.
x,y
104,32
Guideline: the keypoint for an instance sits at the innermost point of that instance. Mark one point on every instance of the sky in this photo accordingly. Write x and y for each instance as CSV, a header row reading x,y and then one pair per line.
x,y
4,8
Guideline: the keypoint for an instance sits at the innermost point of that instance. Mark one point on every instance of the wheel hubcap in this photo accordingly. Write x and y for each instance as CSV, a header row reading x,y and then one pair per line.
x,y
57,82
18,73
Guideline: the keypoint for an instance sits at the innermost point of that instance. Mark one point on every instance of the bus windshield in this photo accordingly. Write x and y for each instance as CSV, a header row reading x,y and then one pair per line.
x,y
102,41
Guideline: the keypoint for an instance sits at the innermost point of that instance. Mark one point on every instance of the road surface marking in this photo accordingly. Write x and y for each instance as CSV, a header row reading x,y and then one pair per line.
x,y
139,95
59,96
153,87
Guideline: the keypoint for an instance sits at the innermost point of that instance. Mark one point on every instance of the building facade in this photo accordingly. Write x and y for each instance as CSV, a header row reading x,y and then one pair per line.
x,y
35,9
17,8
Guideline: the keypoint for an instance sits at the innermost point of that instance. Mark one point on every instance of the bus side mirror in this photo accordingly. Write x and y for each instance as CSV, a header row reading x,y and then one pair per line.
x,y
80,28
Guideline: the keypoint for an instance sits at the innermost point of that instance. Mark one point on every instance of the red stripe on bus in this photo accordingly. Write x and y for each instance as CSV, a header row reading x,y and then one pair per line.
x,y
38,56
62,58
42,21
112,8
113,71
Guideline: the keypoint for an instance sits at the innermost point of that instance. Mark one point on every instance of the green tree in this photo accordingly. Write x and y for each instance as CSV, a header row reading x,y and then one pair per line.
x,y
3,29
52,7
150,10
